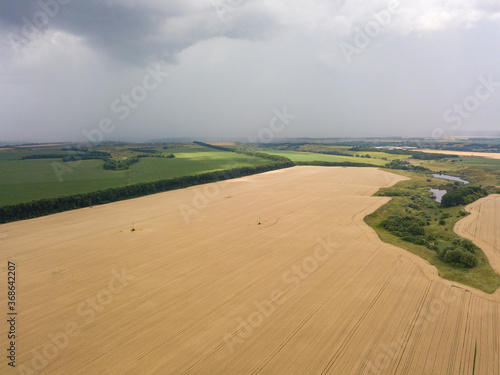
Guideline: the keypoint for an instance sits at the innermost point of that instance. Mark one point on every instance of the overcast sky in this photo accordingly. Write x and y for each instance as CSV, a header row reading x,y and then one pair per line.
x,y
255,69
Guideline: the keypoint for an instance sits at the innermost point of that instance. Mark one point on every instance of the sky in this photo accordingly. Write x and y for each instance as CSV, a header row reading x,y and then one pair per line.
x,y
256,70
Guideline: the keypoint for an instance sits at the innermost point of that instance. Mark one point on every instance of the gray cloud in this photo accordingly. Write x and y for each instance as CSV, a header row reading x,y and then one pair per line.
x,y
231,65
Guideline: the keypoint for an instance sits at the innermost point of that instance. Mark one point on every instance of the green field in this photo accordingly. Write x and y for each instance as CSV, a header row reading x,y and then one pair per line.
x,y
26,180
314,152
296,156
480,170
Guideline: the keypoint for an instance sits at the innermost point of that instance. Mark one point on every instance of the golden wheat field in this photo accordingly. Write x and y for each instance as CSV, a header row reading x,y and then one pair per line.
x,y
274,273
483,227
488,155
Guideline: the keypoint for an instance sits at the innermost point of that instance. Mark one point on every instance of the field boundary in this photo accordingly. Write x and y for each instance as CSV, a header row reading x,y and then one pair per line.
x,y
481,277
43,207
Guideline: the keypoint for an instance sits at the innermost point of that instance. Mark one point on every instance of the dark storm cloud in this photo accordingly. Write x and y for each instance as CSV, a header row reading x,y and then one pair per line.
x,y
337,65
125,30
135,31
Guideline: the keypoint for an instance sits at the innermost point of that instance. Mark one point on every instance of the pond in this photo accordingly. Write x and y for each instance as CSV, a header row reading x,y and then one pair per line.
x,y
446,177
437,195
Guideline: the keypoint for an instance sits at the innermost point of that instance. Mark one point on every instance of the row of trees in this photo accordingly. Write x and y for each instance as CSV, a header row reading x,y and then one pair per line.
x,y
274,158
44,156
86,155
121,165
165,156
478,146
337,153
146,150
405,166
334,163
109,163
53,205
419,155
73,155
48,206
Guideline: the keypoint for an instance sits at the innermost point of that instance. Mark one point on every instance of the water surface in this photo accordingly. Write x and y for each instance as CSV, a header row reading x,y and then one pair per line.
x,y
438,194
452,178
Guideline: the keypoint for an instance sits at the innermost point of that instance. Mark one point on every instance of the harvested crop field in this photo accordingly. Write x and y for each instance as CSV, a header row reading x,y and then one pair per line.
x,y
489,155
274,273
483,227
222,143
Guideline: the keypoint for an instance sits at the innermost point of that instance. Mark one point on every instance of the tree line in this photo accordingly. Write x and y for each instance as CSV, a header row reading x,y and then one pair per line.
x,y
334,163
418,155
44,156
275,158
74,155
463,196
109,163
49,206
405,166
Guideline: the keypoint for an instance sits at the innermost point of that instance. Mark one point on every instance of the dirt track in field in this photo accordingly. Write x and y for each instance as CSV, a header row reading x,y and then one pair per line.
x,y
201,288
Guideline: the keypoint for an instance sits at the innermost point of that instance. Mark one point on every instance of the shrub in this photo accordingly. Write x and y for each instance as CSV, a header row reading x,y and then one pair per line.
x,y
468,259
458,255
453,256
409,228
467,245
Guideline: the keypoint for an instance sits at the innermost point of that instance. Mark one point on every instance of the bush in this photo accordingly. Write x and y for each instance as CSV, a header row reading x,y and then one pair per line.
x,y
409,228
458,255
453,256
412,205
120,165
466,244
468,259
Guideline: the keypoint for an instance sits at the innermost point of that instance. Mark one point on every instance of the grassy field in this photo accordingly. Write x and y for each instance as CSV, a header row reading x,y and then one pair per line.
x,y
31,179
482,277
314,152
296,156
480,170
346,150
